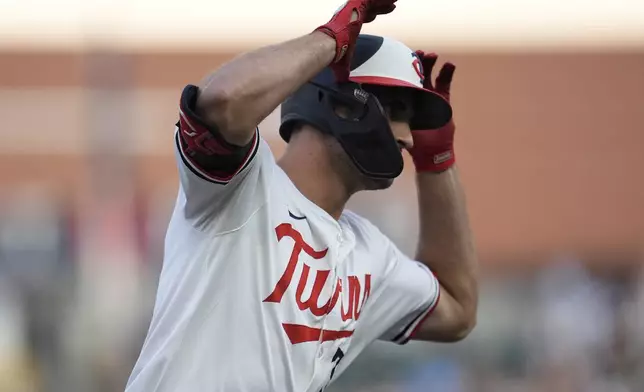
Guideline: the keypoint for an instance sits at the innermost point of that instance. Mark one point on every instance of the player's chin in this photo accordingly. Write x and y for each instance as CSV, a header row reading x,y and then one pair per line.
x,y
376,184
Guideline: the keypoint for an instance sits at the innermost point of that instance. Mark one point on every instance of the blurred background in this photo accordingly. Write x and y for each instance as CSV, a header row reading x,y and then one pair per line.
x,y
549,105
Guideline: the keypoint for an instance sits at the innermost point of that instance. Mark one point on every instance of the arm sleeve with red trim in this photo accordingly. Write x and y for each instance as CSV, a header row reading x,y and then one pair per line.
x,y
409,294
404,291
216,176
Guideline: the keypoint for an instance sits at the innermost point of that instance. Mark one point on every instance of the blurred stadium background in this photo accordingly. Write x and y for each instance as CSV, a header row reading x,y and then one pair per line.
x,y
549,102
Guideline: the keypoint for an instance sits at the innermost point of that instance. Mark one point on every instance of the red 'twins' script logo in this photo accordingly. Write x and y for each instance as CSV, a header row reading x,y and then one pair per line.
x,y
298,333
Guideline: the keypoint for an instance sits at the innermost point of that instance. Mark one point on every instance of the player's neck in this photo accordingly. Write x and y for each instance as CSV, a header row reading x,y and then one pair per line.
x,y
308,166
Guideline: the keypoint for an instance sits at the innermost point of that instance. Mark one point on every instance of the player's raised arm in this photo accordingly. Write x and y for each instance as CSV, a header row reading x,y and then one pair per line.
x,y
222,160
237,97
445,243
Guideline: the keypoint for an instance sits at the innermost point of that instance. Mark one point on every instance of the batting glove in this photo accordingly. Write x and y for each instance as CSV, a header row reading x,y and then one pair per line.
x,y
433,149
345,27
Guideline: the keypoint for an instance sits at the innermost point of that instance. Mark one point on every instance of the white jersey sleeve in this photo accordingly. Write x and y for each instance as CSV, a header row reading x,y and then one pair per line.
x,y
409,294
217,180
406,293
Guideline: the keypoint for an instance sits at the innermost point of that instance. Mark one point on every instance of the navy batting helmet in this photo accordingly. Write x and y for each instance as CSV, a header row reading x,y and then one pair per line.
x,y
364,131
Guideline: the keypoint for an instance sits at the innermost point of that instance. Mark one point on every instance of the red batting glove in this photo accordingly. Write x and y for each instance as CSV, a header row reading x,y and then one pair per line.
x,y
345,30
433,149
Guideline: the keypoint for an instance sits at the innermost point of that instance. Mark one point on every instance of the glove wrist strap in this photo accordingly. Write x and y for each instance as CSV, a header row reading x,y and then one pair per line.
x,y
434,160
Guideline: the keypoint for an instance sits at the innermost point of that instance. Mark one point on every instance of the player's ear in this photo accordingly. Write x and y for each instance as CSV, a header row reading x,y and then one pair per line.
x,y
348,110
342,111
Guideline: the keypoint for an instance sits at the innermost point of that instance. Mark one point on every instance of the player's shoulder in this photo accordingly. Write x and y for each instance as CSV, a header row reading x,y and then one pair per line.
x,y
364,230
372,244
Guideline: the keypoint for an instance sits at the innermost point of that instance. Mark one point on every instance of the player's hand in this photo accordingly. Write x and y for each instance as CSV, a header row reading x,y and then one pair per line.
x,y
345,27
433,149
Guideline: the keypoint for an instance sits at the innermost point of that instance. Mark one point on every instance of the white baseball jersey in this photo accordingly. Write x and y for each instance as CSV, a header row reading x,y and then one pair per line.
x,y
262,290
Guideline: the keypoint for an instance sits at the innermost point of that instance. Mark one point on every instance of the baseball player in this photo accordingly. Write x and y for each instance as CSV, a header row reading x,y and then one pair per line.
x,y
268,283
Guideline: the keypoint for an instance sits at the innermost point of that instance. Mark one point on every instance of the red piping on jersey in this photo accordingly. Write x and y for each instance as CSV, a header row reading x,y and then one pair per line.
x,y
429,313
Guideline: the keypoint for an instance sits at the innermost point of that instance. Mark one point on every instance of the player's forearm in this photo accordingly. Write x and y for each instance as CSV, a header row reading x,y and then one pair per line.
x,y
446,245
239,95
